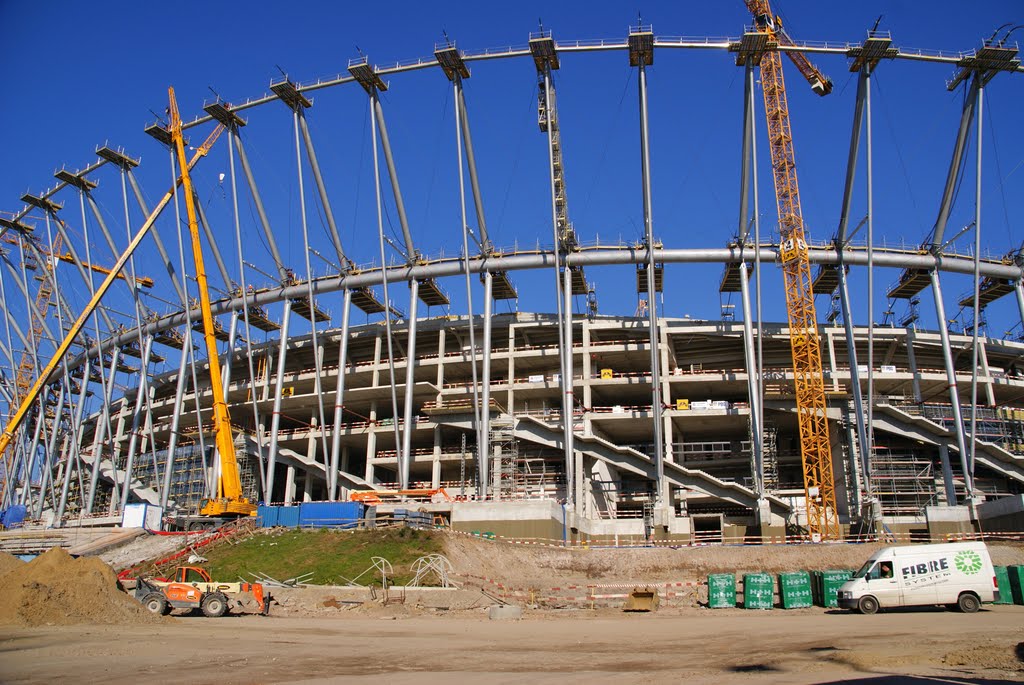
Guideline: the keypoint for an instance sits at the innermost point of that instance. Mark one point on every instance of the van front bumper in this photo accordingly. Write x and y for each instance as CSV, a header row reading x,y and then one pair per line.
x,y
846,602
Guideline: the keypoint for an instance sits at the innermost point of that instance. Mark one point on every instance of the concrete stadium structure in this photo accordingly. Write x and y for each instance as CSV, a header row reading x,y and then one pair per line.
x,y
680,429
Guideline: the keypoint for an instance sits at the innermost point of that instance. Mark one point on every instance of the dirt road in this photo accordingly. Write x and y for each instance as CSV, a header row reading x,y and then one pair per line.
x,y
698,645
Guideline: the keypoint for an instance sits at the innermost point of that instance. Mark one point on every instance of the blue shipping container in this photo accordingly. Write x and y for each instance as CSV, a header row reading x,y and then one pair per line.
x,y
330,514
266,516
288,517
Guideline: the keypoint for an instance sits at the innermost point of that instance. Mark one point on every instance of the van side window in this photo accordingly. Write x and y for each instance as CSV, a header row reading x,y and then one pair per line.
x,y
882,569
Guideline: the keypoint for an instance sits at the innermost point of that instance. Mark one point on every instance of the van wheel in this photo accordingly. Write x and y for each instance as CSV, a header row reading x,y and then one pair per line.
x,y
867,605
968,603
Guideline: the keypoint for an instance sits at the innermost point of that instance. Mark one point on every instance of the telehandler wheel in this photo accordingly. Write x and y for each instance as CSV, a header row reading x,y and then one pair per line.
x,y
214,605
867,605
156,603
968,603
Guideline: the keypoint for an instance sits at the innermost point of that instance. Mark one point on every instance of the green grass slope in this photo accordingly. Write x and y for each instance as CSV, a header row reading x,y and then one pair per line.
x,y
331,555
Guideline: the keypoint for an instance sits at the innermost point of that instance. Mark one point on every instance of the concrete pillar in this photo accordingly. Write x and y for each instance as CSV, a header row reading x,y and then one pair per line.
x,y
289,485
371,439
307,487
947,475
510,399
987,380
440,364
435,465
831,347
915,375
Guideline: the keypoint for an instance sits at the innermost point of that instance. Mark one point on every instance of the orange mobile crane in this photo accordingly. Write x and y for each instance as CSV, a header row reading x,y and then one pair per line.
x,y
815,451
229,500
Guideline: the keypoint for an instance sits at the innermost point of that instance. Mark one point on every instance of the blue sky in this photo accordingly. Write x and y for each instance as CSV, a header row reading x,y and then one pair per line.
x,y
94,72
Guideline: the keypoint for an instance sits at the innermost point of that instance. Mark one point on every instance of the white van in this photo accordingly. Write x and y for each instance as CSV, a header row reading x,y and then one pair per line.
x,y
959,575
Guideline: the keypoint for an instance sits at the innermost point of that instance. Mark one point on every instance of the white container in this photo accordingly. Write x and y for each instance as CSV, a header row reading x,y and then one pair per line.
x,y
142,515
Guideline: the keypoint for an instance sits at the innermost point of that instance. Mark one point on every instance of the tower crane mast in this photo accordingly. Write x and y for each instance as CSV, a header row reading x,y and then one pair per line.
x,y
815,448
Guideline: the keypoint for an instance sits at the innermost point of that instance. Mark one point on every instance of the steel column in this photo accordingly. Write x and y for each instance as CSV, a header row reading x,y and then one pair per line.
x,y
657,401
275,420
954,395
339,397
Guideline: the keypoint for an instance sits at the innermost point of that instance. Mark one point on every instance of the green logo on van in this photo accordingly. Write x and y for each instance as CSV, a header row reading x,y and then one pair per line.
x,y
967,562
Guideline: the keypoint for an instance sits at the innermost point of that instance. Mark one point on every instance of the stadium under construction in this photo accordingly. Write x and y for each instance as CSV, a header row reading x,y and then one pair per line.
x,y
569,423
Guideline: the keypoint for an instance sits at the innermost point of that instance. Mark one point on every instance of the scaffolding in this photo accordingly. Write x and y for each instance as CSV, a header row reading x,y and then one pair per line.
x,y
505,448
902,481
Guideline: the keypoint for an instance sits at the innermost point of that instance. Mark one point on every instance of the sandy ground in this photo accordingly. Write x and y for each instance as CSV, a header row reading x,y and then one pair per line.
x,y
698,645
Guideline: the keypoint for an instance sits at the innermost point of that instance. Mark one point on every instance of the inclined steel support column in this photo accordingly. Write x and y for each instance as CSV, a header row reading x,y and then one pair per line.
x,y
954,395
387,297
404,453
339,397
275,417
51,457
753,385
325,202
258,201
657,400
1018,288
966,115
161,249
479,410
244,294
485,241
567,437
317,361
980,90
74,462
863,446
142,391
179,396
103,427
869,428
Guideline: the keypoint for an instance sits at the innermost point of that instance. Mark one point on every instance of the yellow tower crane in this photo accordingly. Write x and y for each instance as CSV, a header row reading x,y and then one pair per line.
x,y
815,450
229,500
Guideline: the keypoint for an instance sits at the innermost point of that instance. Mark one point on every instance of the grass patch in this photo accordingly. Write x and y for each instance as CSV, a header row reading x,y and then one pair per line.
x,y
331,555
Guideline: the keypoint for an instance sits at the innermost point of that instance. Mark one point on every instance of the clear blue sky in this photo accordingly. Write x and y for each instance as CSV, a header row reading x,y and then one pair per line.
x,y
82,74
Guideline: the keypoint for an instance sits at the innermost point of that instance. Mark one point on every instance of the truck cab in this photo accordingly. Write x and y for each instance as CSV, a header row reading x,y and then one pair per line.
x,y
958,575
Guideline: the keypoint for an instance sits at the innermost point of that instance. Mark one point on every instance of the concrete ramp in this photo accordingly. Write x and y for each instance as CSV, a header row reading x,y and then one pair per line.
x,y
899,422
632,461
351,481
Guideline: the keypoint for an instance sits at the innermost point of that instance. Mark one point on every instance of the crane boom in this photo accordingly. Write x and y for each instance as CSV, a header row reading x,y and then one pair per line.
x,y
815,448
229,499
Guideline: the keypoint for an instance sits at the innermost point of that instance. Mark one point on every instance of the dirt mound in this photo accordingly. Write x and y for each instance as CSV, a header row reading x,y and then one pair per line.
x,y
9,562
55,589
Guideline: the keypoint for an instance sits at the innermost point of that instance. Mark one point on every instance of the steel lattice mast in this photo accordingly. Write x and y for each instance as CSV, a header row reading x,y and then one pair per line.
x,y
815,449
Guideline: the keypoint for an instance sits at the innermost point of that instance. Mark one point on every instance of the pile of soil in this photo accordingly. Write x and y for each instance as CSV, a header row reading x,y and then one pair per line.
x,y
56,589
9,562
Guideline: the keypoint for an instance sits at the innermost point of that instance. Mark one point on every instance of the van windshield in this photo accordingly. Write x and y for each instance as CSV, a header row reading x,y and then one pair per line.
x,y
863,570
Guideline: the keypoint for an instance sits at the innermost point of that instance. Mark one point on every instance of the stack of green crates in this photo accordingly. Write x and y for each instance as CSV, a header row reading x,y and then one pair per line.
x,y
1016,574
722,591
758,591
1005,589
795,590
825,586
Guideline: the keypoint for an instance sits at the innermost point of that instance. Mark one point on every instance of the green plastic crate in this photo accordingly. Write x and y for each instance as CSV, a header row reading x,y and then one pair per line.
x,y
1016,574
827,584
758,591
795,590
722,591
1005,590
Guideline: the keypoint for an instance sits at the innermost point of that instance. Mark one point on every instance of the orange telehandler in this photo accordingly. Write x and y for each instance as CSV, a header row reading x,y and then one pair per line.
x,y
192,588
